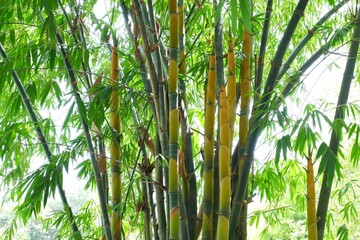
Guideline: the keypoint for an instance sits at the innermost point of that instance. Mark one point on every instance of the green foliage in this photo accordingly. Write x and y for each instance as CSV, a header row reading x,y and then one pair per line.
x,y
28,32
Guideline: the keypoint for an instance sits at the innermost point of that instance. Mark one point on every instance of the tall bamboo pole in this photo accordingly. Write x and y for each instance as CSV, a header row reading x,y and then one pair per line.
x,y
161,133
208,194
262,104
189,193
306,39
326,185
114,145
219,52
222,231
173,122
311,200
231,88
44,143
99,184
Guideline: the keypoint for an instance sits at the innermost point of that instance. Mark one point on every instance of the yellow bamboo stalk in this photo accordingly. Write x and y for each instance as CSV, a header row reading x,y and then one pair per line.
x,y
224,169
311,200
173,122
245,89
182,62
114,145
207,226
231,88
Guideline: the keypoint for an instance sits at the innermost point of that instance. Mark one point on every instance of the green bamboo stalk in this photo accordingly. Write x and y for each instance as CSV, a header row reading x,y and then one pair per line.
x,y
115,153
263,103
184,225
145,170
79,37
306,39
159,190
280,52
348,76
208,194
219,52
263,44
156,93
190,194
161,128
245,78
191,205
224,169
99,141
101,194
199,221
26,100
163,104
295,78
149,61
155,41
173,122
146,182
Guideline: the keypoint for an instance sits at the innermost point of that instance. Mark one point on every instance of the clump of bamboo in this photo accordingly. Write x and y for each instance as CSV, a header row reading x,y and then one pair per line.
x,y
173,122
311,200
209,151
224,169
114,146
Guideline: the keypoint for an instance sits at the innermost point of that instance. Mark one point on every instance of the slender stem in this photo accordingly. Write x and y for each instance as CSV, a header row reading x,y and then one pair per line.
x,y
254,128
114,146
224,169
173,122
189,164
219,53
327,180
295,78
264,38
101,194
208,192
42,139
307,38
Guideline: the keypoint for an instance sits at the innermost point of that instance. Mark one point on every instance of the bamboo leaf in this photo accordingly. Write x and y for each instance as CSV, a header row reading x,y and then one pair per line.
x,y
245,10
234,16
277,153
45,92
82,109
343,232
68,115
12,36
52,56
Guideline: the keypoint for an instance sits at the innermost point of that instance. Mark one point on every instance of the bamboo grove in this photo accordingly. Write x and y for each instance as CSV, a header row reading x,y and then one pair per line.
x,y
161,108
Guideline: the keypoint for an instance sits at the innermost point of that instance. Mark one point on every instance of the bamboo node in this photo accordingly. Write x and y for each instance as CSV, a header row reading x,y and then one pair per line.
x,y
300,13
273,63
115,169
